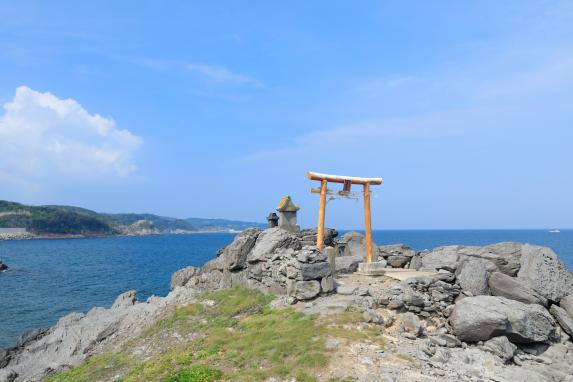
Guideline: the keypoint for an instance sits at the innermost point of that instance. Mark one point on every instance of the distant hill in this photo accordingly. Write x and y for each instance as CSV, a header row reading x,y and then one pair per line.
x,y
71,220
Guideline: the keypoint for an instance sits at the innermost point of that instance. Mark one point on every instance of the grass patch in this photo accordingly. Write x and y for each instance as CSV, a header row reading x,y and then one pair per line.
x,y
229,335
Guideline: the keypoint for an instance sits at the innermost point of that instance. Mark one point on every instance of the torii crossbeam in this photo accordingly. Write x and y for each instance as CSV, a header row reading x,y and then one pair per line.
x,y
347,181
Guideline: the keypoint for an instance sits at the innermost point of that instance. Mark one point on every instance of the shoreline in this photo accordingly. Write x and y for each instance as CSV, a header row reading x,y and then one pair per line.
x,y
87,236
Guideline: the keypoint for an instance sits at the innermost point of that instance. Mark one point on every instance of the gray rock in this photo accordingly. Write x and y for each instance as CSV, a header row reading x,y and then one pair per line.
x,y
346,290
473,274
396,250
563,318
314,271
567,304
235,254
398,261
416,262
411,323
355,245
501,347
327,284
125,299
443,339
442,258
503,285
506,256
29,336
181,277
373,317
542,270
483,317
305,290
348,264
269,241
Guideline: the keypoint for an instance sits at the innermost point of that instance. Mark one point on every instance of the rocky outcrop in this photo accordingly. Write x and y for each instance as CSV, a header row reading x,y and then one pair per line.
x,y
542,270
567,304
273,260
473,275
397,255
564,319
503,285
42,352
483,317
355,245
446,258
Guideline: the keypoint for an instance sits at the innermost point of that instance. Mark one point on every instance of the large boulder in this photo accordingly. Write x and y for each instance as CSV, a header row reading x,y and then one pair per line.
x,y
348,264
396,250
181,277
447,258
567,304
483,317
503,285
235,254
501,347
271,240
542,270
356,246
563,318
473,274
506,256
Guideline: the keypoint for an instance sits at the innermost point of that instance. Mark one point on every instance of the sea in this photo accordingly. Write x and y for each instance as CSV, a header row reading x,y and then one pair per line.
x,y
50,278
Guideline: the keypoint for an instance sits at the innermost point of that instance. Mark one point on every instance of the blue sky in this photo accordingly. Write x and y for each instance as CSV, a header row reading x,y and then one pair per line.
x,y
217,109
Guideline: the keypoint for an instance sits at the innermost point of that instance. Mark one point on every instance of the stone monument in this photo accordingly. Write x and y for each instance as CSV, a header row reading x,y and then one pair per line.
x,y
287,214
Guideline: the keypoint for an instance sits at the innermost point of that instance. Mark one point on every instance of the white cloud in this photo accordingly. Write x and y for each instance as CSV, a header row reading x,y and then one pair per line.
x,y
44,140
222,75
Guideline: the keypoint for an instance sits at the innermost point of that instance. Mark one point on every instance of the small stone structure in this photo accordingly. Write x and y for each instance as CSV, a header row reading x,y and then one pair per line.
x,y
273,220
287,214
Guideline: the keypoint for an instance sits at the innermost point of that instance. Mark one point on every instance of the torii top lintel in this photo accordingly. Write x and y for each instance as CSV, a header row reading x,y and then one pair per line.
x,y
341,179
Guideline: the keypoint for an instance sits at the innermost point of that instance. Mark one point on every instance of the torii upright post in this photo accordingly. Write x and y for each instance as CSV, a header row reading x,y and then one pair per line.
x,y
347,181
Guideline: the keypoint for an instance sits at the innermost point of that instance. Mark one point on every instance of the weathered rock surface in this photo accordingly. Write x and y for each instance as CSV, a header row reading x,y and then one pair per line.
x,y
236,253
503,285
563,318
355,245
442,258
473,275
348,264
501,347
542,270
567,304
182,276
483,317
269,241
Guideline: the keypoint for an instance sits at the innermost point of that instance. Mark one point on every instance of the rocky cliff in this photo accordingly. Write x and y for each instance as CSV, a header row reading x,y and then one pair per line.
x,y
502,312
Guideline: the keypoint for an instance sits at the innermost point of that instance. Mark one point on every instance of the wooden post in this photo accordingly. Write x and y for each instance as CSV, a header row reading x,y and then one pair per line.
x,y
321,213
367,223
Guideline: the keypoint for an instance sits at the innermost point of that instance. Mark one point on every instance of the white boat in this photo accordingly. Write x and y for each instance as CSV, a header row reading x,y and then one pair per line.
x,y
554,231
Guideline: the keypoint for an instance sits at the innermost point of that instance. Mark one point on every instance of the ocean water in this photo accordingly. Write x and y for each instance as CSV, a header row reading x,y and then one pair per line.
x,y
50,278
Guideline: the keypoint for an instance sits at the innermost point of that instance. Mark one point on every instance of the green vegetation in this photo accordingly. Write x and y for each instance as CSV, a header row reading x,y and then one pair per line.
x,y
230,335
50,220
69,220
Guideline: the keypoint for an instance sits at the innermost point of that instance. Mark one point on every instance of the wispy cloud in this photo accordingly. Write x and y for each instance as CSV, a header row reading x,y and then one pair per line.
x,y
212,73
222,75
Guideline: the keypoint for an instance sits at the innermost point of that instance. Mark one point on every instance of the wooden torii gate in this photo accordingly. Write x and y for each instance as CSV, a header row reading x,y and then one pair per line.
x,y
347,182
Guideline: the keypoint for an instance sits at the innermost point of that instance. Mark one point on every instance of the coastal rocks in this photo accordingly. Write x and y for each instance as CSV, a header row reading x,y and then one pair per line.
x,y
542,270
236,253
355,245
567,304
506,256
442,258
348,264
125,299
473,274
503,285
501,347
181,277
563,318
305,290
483,317
397,255
3,266
269,241
411,323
